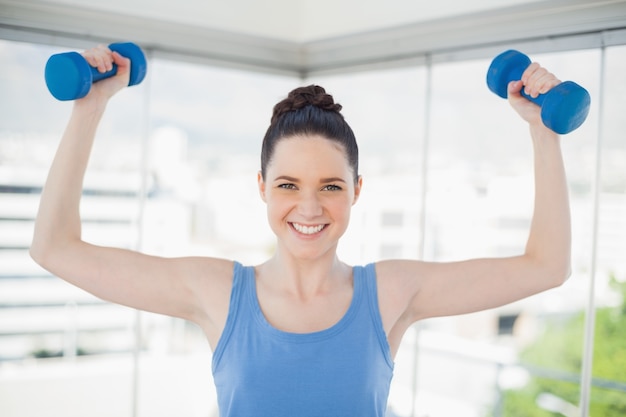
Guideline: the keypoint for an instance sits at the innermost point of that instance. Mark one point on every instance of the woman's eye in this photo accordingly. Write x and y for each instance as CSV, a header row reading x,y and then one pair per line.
x,y
287,186
332,187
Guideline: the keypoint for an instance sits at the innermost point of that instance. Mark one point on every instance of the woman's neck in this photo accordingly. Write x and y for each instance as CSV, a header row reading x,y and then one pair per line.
x,y
304,278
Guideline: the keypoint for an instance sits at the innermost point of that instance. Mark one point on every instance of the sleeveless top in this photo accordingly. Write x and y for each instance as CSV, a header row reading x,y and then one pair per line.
x,y
342,371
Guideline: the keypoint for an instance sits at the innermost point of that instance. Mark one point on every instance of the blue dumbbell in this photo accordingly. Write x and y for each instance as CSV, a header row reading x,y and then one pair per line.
x,y
69,76
563,108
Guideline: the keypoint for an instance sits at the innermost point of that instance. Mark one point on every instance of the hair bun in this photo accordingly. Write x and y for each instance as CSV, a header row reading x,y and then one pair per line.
x,y
301,97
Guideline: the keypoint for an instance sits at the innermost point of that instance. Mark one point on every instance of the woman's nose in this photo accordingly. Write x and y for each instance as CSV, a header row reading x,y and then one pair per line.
x,y
309,205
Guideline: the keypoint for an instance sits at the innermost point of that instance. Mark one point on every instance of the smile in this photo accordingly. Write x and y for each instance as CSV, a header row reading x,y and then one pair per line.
x,y
308,230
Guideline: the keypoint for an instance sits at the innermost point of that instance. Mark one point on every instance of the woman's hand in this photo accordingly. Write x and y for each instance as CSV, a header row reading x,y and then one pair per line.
x,y
535,80
102,58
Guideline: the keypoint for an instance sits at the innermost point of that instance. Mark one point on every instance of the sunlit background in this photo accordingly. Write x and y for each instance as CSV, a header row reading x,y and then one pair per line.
x,y
447,170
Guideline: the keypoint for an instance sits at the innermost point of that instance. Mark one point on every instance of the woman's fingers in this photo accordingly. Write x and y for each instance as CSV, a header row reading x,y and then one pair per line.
x,y
538,80
100,57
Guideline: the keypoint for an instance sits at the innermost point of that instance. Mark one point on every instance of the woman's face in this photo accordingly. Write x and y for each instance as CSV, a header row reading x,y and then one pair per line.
x,y
309,190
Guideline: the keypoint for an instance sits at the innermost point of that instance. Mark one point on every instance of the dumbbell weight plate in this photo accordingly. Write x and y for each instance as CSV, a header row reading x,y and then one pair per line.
x,y
138,63
565,107
68,76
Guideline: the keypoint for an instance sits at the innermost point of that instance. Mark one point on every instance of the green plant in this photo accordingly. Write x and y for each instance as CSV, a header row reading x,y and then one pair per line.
x,y
559,351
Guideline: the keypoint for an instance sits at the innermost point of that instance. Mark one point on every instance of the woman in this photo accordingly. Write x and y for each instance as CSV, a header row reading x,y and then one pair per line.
x,y
302,333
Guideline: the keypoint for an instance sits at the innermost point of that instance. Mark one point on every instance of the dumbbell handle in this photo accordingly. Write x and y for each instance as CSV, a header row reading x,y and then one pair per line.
x,y
127,50
537,100
97,75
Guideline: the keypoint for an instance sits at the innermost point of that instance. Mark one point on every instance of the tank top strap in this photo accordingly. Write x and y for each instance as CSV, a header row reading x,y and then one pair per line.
x,y
241,280
367,274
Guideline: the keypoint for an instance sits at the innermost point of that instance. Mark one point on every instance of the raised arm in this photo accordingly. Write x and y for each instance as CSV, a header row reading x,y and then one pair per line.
x,y
427,289
549,241
191,288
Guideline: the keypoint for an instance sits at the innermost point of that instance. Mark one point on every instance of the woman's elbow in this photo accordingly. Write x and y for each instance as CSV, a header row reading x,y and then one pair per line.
x,y
44,251
39,252
551,267
558,274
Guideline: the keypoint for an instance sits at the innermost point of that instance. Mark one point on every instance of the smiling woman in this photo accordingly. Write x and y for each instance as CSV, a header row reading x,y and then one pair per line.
x,y
322,332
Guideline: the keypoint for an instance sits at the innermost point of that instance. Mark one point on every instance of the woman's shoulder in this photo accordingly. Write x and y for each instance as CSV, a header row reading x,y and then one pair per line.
x,y
210,279
399,280
399,269
209,268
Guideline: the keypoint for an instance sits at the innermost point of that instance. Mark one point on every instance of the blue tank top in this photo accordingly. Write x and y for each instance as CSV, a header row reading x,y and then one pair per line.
x,y
344,370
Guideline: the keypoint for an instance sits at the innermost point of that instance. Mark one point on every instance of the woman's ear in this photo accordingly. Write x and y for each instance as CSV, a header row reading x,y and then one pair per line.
x,y
357,189
261,183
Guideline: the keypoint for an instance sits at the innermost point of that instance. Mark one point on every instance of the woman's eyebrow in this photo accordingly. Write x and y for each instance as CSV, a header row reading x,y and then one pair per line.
x,y
286,178
322,181
332,179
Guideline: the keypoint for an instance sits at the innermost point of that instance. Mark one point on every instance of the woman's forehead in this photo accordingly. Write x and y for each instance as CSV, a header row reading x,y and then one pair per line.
x,y
302,153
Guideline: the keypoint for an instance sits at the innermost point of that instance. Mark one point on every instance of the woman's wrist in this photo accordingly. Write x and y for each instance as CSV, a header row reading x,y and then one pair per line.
x,y
541,134
89,107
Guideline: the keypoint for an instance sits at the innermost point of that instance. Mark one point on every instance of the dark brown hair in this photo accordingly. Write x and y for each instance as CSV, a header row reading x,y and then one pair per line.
x,y
309,111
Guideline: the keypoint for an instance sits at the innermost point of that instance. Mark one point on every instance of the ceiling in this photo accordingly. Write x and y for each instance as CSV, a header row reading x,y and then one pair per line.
x,y
307,36
289,20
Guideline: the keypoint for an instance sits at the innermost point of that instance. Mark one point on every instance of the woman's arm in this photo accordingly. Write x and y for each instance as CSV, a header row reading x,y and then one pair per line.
x,y
190,288
427,289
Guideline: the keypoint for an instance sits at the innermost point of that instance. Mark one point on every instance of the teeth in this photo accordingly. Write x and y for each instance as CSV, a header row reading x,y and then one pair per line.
x,y
307,230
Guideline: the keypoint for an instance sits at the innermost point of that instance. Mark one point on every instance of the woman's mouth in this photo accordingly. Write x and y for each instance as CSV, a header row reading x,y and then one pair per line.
x,y
308,230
